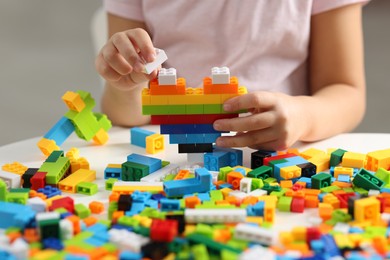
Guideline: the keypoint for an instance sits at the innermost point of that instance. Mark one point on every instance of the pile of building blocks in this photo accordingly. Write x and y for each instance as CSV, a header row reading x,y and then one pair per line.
x,y
202,214
88,125
187,114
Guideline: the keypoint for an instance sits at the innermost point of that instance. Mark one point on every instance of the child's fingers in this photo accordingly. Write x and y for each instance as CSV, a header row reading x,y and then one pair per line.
x,y
105,70
142,41
247,123
127,51
259,100
115,59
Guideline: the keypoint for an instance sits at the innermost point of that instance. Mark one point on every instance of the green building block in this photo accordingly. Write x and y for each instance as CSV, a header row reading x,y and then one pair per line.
x,y
212,246
199,252
3,190
169,177
152,213
336,157
383,175
164,163
279,193
330,189
361,191
229,255
134,171
256,184
55,170
81,210
87,188
321,180
112,207
128,221
284,204
17,197
366,180
269,180
212,109
110,183
49,228
216,195
223,172
204,229
263,172
271,188
54,156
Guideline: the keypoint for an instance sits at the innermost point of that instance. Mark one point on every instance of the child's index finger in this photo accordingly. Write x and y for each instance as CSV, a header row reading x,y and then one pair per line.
x,y
260,99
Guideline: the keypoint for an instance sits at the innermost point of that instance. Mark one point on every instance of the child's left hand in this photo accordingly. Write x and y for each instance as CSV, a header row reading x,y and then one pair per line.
x,y
276,121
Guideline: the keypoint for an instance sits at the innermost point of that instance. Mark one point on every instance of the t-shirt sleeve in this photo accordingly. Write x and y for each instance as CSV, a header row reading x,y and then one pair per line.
x,y
130,9
320,6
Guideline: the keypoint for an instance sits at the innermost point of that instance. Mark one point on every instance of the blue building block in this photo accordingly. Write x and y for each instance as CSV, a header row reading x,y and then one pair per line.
x,y
216,160
226,185
136,208
96,228
4,255
201,183
236,155
210,137
60,131
151,204
15,215
139,196
330,246
169,205
296,160
203,196
343,178
50,191
195,138
154,164
290,162
52,243
178,138
128,255
138,136
113,173
188,129
93,241
258,208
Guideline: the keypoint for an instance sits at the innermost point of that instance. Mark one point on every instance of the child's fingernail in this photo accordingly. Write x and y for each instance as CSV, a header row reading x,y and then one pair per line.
x,y
138,67
227,107
217,126
151,57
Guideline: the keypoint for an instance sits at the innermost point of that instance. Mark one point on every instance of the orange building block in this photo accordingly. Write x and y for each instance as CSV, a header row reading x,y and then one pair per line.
x,y
325,211
76,223
209,88
178,89
192,201
286,183
89,221
250,200
96,207
182,174
311,202
234,179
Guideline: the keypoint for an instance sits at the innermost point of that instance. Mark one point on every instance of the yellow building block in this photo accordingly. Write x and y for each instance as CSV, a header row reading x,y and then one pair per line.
x,y
73,101
354,160
15,167
76,162
321,161
286,238
125,187
343,241
290,172
342,170
225,192
311,152
47,146
101,137
82,175
299,233
155,143
269,212
255,220
367,209
378,159
332,200
146,96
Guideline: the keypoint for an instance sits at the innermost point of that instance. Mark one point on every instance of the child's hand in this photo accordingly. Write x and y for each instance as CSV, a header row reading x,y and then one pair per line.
x,y
275,122
121,61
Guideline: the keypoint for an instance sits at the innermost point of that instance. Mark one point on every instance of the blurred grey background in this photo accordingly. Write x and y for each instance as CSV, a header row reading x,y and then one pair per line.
x,y
46,49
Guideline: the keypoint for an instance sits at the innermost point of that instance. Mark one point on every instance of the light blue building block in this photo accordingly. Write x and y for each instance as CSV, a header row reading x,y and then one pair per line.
x,y
60,131
138,136
153,163
15,215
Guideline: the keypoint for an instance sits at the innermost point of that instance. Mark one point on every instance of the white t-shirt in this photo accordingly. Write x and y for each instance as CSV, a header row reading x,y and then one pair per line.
x,y
263,42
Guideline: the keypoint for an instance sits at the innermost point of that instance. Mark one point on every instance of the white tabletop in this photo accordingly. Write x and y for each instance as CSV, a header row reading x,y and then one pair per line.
x,y
118,147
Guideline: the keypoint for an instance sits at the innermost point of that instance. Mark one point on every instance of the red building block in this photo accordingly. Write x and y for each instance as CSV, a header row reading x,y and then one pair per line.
x,y
38,180
66,203
267,160
298,205
163,230
188,119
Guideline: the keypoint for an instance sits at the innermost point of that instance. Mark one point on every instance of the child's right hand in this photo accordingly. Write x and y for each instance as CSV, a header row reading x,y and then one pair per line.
x,y
121,60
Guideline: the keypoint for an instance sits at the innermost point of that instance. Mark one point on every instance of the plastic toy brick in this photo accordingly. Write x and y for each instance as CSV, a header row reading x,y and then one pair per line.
x,y
195,148
336,157
177,89
378,159
383,175
15,167
235,155
11,180
161,56
113,171
55,170
201,183
307,169
17,197
49,191
290,172
366,180
262,172
167,76
87,188
234,179
254,234
354,160
76,162
15,215
211,216
189,119
138,136
66,203
154,164
124,187
187,129
38,180
220,75
246,184
155,143
227,88
169,205
159,175
132,171
81,210
321,180
60,132
216,160
267,160
82,175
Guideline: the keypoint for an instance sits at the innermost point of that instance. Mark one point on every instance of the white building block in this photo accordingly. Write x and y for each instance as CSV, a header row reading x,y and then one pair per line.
x,y
66,228
220,75
12,180
37,204
47,216
20,249
167,76
238,194
214,176
258,193
126,240
257,252
160,174
245,184
254,234
160,58
215,215
373,193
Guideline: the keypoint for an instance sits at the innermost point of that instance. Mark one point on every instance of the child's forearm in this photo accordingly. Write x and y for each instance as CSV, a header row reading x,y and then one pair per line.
x,y
332,110
124,108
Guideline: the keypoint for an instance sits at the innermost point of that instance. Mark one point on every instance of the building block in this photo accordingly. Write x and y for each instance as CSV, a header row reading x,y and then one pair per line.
x,y
87,188
366,180
15,215
11,180
254,234
336,157
216,160
354,160
169,205
226,88
134,171
55,170
176,89
17,197
60,131
189,119
160,174
167,76
38,180
15,167
320,180
96,207
220,75
138,136
187,129
366,209
195,148
262,172
113,171
211,216
236,155
383,175
154,164
66,203
126,187
201,183
161,56
155,143
49,191
82,175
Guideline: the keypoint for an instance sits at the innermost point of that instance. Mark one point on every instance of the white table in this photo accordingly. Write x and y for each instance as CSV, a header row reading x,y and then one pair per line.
x,y
118,147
